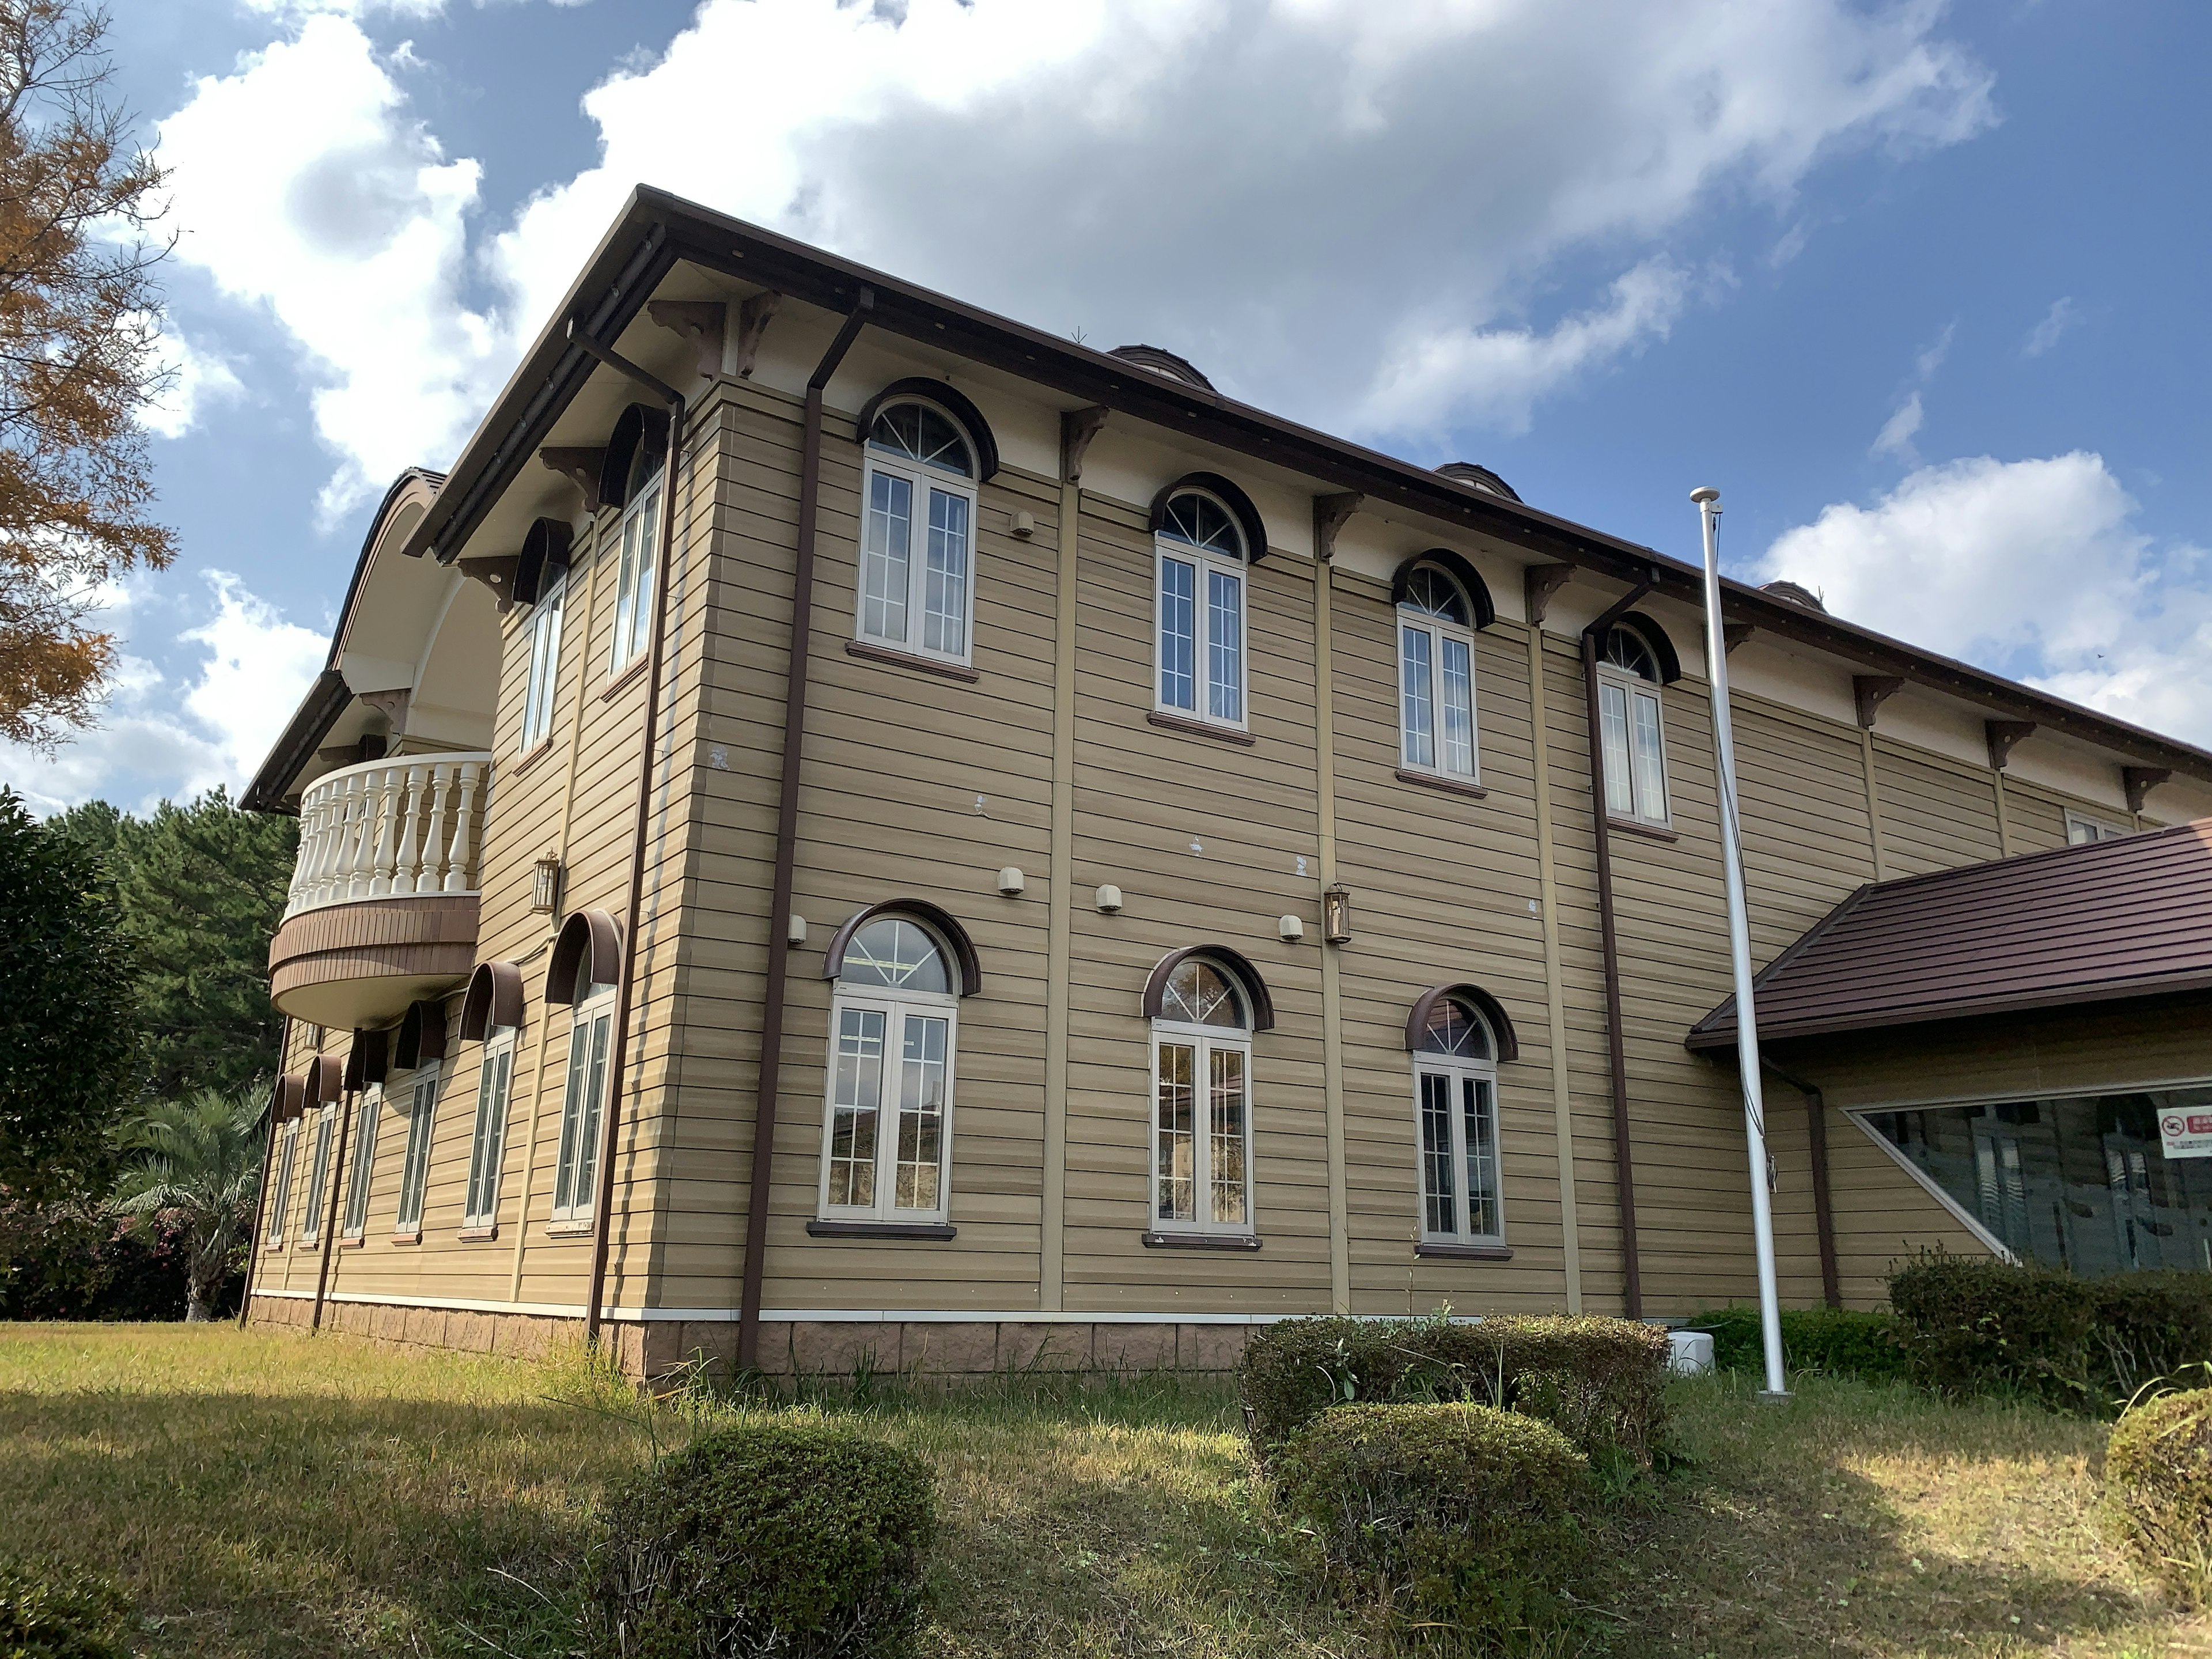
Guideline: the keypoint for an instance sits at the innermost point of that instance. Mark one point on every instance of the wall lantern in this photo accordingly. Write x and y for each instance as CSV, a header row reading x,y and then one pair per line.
x,y
545,885
1336,914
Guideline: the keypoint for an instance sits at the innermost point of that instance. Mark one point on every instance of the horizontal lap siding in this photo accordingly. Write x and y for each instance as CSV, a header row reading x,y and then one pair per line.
x,y
1936,813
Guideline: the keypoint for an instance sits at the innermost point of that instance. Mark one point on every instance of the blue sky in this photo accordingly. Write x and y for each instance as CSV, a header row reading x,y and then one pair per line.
x,y
1920,289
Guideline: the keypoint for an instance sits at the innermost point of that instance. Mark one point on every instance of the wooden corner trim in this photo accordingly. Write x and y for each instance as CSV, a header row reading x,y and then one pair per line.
x,y
1200,729
1448,786
868,652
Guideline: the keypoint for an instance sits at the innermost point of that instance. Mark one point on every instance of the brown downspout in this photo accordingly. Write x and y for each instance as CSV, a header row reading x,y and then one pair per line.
x,y
261,1188
611,1116
331,1228
1632,1271
1824,1217
787,839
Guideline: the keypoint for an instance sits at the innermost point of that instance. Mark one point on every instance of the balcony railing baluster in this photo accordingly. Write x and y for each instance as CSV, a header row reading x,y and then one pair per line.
x,y
391,828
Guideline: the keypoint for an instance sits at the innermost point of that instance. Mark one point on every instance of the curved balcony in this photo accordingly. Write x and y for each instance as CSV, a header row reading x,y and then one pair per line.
x,y
383,905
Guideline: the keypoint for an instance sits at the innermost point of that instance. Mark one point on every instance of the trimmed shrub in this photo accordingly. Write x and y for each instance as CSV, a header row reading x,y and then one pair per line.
x,y
1457,1520
2144,1327
66,1616
1969,1324
797,1540
1832,1341
2158,1484
1601,1383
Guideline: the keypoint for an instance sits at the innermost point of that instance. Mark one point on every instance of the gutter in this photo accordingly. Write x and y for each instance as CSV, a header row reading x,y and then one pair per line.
x,y
1824,1217
787,838
1616,1042
317,713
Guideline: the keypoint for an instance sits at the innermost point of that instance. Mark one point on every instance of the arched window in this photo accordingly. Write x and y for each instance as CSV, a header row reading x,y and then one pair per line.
x,y
917,535
1456,1107
1436,676
1629,672
1201,1103
1201,558
641,551
887,1125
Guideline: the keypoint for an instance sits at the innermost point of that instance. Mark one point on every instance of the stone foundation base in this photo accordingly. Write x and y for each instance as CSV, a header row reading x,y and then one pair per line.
x,y
833,1350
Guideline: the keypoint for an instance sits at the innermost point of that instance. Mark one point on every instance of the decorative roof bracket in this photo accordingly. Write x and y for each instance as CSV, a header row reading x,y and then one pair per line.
x,y
581,467
2004,736
753,324
1734,634
1331,513
2139,780
1538,583
1870,691
700,321
1078,427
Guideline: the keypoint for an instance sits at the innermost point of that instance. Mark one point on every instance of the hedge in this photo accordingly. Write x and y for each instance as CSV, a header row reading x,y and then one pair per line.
x,y
1832,1341
1457,1520
797,1540
60,1615
1601,1383
2158,1483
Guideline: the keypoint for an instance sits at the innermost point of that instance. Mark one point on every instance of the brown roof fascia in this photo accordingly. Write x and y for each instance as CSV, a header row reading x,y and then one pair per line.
x,y
2060,996
1722,1020
656,229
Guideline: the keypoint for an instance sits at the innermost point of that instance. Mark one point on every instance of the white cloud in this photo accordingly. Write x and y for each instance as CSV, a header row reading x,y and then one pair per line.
x,y
2035,568
301,185
2063,315
163,739
1897,433
1317,200
196,379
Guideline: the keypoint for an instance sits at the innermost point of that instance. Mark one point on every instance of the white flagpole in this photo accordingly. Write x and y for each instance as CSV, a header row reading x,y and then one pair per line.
x,y
1747,1017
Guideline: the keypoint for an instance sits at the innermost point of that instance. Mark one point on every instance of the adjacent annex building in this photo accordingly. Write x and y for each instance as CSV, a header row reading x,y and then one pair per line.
x,y
846,823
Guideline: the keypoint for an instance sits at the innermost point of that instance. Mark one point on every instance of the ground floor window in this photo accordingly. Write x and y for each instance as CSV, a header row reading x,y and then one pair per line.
x,y
487,1145
575,1175
2095,1184
420,1095
318,1174
1456,1103
363,1168
280,1200
1202,1104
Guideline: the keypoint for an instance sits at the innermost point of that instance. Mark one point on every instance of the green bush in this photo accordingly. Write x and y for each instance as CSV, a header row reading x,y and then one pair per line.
x,y
2143,1326
797,1540
2158,1483
66,1616
1601,1383
1457,1520
1967,1325
1832,1341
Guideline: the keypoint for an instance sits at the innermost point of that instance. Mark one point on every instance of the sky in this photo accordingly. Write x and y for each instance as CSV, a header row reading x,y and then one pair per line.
x,y
1918,287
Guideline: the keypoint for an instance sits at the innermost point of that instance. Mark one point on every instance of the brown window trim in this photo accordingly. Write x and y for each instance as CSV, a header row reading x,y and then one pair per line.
x,y
522,764
622,680
569,1229
1244,1242
415,1237
476,1235
1637,826
1449,785
1466,1252
1193,728
939,1231
868,651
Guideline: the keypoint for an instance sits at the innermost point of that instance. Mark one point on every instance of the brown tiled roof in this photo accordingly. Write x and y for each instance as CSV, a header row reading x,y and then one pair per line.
x,y
2131,917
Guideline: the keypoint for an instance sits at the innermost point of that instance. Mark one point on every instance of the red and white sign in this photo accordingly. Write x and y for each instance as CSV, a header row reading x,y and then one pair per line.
x,y
2185,1133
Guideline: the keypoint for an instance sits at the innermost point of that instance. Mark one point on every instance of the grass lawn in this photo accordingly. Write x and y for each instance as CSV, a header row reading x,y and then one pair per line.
x,y
275,1494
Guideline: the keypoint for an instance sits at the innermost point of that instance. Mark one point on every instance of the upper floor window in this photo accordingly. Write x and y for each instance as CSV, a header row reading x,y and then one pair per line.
x,y
1629,677
1201,1103
1436,676
917,540
1456,1104
1201,557
2080,830
640,526
545,664
887,1123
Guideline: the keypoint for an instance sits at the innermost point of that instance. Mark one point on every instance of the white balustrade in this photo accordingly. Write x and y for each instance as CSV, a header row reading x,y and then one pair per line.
x,y
411,825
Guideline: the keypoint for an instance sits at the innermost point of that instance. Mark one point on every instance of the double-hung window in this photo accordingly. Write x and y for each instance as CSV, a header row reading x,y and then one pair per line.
x,y
887,1126
583,1102
280,1199
545,664
1200,600
917,534
1436,678
1628,681
1456,1106
420,1095
318,1174
641,549
363,1171
1202,1104
488,1141
2080,830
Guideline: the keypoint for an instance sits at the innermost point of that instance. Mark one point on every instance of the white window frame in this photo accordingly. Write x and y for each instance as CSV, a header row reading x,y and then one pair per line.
x,y
2099,829
897,1007
1456,1071
1207,564
637,547
583,1107
1206,1040
319,1174
421,1096
488,1133
280,1200
920,478
542,688
1438,630
1630,687
361,1174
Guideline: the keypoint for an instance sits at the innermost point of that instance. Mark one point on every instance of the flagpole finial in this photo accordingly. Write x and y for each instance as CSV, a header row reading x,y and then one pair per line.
x,y
1704,493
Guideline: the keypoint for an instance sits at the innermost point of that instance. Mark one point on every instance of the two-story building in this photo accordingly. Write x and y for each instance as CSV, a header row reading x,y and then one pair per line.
x,y
844,823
